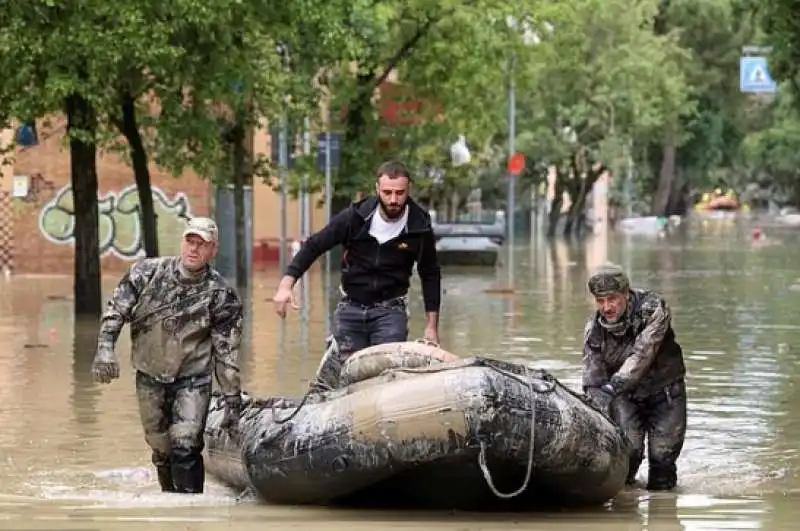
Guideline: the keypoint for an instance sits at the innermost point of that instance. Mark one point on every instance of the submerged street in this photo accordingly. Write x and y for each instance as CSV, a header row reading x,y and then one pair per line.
x,y
75,457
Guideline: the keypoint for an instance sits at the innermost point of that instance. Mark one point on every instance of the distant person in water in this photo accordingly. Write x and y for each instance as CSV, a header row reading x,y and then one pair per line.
x,y
186,322
633,369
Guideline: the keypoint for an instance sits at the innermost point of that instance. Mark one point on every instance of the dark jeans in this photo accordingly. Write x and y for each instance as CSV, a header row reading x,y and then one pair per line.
x,y
661,419
358,326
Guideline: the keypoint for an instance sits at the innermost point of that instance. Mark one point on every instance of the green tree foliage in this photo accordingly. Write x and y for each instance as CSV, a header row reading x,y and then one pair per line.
x,y
701,148
449,54
56,59
169,77
782,27
772,154
600,77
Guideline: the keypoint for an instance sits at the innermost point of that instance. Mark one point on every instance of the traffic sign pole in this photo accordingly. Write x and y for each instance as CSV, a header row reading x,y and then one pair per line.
x,y
329,145
512,180
328,214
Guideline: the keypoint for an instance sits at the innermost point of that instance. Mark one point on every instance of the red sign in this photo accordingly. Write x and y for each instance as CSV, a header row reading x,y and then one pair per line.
x,y
516,164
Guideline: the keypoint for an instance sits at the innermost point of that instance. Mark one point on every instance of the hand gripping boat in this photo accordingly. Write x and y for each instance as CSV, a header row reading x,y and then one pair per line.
x,y
415,426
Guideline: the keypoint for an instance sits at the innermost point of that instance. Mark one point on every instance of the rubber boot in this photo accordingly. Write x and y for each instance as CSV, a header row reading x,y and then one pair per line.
x,y
662,477
165,478
188,471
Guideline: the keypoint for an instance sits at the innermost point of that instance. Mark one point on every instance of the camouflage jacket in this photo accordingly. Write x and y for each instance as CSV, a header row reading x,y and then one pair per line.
x,y
644,359
180,326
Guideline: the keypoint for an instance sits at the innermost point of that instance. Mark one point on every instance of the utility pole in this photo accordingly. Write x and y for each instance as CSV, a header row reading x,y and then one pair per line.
x,y
328,215
512,179
305,215
283,162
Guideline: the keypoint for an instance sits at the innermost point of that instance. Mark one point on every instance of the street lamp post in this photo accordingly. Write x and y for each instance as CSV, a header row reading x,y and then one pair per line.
x,y
283,155
328,215
305,217
512,179
529,37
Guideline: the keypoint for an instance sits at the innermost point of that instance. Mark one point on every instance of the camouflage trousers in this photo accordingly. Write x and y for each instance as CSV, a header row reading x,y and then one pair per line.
x,y
358,326
174,416
661,420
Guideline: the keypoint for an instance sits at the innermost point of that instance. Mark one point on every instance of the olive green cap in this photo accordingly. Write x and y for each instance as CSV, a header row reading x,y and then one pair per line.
x,y
607,280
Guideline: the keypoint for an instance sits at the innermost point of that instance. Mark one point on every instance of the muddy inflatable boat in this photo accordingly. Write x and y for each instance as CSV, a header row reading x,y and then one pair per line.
x,y
472,434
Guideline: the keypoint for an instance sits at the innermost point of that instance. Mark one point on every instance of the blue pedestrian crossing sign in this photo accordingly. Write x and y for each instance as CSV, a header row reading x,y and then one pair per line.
x,y
754,75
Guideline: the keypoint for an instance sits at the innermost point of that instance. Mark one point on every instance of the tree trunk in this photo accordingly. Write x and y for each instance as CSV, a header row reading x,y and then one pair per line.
x,y
576,213
576,216
350,171
665,178
239,169
795,192
556,203
141,172
82,129
455,203
679,195
575,207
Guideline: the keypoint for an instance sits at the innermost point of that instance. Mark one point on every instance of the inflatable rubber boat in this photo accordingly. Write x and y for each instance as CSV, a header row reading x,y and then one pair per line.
x,y
416,426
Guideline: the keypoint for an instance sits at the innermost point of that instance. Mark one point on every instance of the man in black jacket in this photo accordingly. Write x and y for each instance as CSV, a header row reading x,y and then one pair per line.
x,y
382,237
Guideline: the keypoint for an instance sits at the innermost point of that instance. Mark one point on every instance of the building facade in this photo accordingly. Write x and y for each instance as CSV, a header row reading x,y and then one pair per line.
x,y
36,214
36,210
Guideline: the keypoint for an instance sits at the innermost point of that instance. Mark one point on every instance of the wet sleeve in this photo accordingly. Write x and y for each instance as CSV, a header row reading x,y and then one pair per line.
x,y
430,274
594,368
226,336
334,233
647,344
119,308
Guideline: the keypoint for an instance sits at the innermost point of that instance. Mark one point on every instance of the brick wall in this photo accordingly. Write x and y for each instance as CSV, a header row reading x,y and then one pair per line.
x,y
42,221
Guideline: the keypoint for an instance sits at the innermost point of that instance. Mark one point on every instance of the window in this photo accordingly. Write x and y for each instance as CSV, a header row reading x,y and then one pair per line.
x,y
27,135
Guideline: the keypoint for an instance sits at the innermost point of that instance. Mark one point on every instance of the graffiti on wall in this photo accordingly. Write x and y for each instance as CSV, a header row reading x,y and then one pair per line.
x,y
37,186
119,214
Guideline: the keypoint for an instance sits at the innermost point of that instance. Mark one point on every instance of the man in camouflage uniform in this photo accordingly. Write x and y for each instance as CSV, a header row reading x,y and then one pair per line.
x,y
633,369
185,321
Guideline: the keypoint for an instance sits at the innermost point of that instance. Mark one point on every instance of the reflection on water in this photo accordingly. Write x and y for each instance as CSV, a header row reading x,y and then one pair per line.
x,y
74,455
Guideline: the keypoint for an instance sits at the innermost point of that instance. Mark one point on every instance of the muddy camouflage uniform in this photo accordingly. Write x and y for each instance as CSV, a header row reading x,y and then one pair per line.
x,y
183,326
634,367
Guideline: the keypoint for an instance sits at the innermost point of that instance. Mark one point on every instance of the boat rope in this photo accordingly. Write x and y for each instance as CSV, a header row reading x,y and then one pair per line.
x,y
294,413
547,385
333,349
487,475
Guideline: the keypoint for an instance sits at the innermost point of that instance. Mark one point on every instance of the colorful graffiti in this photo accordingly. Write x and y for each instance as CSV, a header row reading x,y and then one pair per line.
x,y
120,230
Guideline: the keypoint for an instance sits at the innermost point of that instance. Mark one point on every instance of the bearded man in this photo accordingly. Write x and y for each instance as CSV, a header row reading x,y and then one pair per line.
x,y
633,369
383,237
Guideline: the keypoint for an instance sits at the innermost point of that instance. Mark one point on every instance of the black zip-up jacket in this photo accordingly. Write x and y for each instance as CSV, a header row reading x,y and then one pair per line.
x,y
370,272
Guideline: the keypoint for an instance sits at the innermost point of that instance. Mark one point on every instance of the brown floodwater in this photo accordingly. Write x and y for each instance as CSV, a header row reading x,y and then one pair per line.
x,y
74,456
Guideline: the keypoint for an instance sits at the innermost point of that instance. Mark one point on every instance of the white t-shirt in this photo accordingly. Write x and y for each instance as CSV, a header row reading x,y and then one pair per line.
x,y
383,230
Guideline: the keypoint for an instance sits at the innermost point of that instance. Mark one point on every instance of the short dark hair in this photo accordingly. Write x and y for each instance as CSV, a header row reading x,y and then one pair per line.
x,y
392,169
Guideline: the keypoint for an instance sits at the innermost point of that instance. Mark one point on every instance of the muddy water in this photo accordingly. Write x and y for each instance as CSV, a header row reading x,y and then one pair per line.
x,y
74,458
